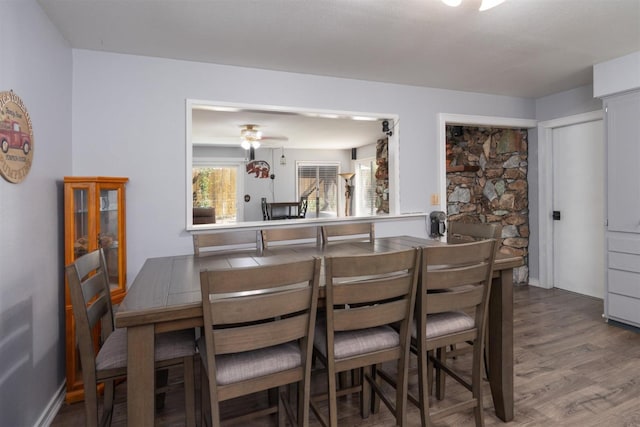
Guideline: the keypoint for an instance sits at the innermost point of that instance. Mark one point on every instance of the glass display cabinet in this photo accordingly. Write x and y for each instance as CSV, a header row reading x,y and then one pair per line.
x,y
94,217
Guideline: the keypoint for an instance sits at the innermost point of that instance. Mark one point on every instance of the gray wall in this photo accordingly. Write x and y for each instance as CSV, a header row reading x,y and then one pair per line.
x,y
35,62
129,120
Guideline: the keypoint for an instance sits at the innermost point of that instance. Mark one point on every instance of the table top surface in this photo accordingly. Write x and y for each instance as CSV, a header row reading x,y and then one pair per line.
x,y
172,284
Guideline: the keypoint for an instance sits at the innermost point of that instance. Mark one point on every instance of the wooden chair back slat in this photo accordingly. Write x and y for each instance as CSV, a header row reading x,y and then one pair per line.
x,y
229,240
252,337
246,280
93,286
453,277
349,319
460,232
360,231
362,265
253,308
451,256
361,292
290,235
464,297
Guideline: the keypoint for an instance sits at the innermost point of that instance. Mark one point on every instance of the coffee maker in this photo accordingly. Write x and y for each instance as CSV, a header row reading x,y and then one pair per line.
x,y
438,224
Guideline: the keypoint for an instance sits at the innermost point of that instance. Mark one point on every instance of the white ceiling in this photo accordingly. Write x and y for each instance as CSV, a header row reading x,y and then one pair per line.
x,y
525,48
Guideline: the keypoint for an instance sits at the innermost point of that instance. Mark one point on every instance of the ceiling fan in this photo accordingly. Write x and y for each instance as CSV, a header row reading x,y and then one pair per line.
x,y
251,136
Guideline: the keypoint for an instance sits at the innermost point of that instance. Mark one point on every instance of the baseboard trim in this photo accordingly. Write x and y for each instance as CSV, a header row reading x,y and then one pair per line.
x,y
50,412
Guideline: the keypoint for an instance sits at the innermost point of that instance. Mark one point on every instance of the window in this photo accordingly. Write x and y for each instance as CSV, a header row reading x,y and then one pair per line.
x,y
319,182
217,185
364,196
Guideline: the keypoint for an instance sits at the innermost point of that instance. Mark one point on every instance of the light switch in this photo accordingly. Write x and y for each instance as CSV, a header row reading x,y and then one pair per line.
x,y
435,199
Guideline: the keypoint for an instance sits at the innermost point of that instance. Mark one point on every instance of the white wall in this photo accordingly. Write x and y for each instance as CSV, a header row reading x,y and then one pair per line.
x,y
129,120
35,62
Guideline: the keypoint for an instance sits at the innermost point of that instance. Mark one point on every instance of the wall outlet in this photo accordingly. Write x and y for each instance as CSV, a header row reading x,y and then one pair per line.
x,y
435,199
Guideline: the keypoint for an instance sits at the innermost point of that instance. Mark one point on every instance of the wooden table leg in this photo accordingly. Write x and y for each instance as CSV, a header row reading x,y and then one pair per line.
x,y
140,376
501,344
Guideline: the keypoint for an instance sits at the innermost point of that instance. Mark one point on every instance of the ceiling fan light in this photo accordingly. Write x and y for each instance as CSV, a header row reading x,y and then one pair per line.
x,y
488,4
255,144
245,144
452,3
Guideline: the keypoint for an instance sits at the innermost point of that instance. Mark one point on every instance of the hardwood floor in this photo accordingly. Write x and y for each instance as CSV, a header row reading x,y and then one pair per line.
x,y
572,369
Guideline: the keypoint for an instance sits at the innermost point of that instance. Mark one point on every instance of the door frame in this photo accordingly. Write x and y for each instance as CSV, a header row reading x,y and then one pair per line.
x,y
545,189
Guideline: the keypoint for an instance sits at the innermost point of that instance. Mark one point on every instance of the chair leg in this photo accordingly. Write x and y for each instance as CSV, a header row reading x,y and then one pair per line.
x,y
375,399
189,392
402,390
282,413
476,386
109,393
440,374
425,378
365,394
333,403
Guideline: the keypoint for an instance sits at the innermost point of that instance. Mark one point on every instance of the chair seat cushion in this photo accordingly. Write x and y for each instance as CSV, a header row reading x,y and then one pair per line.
x,y
170,345
446,323
353,343
232,368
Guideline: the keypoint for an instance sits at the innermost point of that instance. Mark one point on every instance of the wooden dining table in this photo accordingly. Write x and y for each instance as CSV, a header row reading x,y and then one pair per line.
x,y
165,296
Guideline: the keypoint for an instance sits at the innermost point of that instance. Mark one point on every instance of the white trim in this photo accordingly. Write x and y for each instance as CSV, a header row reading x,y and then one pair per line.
x,y
468,120
545,190
52,408
393,147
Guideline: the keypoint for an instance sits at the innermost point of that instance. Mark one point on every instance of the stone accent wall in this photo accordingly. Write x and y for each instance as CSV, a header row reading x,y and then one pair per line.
x,y
487,183
382,176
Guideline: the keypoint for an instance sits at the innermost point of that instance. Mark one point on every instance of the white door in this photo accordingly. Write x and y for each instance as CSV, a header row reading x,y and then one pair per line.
x,y
578,196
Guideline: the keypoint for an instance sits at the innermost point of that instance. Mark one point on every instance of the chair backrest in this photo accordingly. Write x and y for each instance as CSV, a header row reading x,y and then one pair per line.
x,y
362,231
366,291
302,207
265,209
204,215
465,271
290,235
274,304
88,283
460,232
229,240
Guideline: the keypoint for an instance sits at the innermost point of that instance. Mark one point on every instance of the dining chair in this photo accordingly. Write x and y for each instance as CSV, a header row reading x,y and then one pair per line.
x,y
460,232
91,303
207,243
259,339
290,235
365,296
265,209
465,272
204,216
363,231
302,207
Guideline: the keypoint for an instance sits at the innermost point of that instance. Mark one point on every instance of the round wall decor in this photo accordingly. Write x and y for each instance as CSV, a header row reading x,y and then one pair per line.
x,y
16,138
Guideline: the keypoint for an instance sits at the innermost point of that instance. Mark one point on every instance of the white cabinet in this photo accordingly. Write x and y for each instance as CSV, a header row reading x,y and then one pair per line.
x,y
622,300
623,144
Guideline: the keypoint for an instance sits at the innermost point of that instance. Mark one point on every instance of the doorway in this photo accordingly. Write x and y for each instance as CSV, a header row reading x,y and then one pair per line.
x,y
578,208
547,236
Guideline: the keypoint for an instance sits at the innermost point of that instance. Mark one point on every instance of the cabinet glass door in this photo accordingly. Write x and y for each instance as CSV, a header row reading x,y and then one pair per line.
x,y
81,222
108,237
